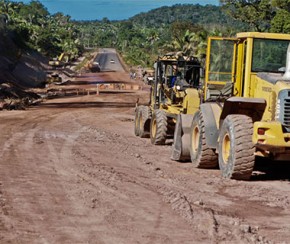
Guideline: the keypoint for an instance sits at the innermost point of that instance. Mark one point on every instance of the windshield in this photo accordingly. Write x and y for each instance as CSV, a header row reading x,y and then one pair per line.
x,y
269,55
221,60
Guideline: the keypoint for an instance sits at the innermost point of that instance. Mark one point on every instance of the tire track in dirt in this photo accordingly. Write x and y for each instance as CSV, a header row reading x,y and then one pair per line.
x,y
213,224
207,217
220,225
90,179
115,177
58,146
108,175
16,174
64,164
205,220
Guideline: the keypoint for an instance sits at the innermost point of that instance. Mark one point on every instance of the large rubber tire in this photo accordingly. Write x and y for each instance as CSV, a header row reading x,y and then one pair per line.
x,y
236,150
201,155
137,121
144,121
158,127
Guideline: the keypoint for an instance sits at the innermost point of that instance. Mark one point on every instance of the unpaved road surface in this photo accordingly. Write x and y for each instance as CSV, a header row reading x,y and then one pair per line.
x,y
72,171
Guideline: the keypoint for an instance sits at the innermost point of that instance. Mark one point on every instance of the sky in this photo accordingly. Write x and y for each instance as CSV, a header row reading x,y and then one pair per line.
x,y
111,9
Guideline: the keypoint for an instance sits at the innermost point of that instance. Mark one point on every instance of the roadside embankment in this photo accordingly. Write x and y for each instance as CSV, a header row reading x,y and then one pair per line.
x,y
19,70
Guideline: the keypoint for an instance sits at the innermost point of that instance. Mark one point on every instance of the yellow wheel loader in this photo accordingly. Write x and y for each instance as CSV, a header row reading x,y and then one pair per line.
x,y
174,93
246,109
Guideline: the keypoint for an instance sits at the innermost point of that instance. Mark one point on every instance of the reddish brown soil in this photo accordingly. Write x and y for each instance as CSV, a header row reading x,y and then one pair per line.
x,y
72,171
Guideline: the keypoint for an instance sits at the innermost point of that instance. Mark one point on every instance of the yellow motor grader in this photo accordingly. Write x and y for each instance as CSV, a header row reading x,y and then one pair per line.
x,y
246,108
174,92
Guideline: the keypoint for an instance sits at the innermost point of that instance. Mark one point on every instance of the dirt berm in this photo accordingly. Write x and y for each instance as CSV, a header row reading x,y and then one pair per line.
x,y
19,69
23,67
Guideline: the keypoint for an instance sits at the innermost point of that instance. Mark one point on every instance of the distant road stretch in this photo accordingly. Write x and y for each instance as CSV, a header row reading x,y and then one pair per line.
x,y
108,60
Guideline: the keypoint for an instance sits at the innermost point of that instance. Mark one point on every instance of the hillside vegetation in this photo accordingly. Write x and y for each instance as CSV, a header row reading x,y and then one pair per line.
x,y
143,37
209,15
140,39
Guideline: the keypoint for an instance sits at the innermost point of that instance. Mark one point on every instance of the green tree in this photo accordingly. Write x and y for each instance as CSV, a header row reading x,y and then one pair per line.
x,y
281,4
281,21
33,27
257,13
188,38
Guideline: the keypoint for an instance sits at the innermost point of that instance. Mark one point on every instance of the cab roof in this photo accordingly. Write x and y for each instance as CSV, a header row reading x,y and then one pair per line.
x,y
175,58
263,35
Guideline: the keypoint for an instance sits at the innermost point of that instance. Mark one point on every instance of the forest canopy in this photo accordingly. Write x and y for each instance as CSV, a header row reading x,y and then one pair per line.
x,y
140,39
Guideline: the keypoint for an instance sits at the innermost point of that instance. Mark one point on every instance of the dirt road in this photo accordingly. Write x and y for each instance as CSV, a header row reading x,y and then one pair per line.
x,y
72,171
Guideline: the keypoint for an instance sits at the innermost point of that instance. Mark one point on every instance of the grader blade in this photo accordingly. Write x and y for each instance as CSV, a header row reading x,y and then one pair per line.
x,y
181,141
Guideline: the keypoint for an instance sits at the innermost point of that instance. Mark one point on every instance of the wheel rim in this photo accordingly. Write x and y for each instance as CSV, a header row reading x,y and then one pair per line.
x,y
226,148
154,125
195,139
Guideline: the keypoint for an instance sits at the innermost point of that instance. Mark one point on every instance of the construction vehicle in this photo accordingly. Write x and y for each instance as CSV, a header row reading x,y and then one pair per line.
x,y
94,66
246,108
58,70
60,61
174,91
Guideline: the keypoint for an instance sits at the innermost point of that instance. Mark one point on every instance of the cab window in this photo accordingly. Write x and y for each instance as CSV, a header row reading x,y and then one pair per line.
x,y
269,55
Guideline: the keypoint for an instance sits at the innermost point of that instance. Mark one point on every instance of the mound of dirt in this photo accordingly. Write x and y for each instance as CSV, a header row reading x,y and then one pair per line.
x,y
18,66
19,69
15,97
30,70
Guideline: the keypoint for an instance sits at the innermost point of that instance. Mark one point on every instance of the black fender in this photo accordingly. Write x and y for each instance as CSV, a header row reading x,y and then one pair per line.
x,y
211,113
214,114
252,107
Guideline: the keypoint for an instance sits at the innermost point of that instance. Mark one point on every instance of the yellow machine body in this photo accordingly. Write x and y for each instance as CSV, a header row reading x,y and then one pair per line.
x,y
186,102
175,97
61,60
180,96
252,68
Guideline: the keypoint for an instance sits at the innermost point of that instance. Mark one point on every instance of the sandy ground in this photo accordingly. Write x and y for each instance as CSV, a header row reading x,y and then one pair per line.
x,y
72,171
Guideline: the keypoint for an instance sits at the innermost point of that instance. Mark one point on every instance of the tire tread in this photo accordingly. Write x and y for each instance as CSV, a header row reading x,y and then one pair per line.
x,y
161,127
207,158
244,148
146,114
136,121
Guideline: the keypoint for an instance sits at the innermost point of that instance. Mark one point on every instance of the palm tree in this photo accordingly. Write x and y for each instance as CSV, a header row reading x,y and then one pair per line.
x,y
190,44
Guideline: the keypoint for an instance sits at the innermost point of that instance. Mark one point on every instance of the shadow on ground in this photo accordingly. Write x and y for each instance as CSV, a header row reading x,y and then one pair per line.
x,y
267,170
88,105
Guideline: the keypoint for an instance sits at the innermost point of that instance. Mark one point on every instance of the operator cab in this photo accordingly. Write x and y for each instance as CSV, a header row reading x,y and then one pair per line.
x,y
173,75
182,71
233,62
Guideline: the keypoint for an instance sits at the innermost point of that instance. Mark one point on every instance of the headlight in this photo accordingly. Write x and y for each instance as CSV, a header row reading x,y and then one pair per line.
x,y
178,88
